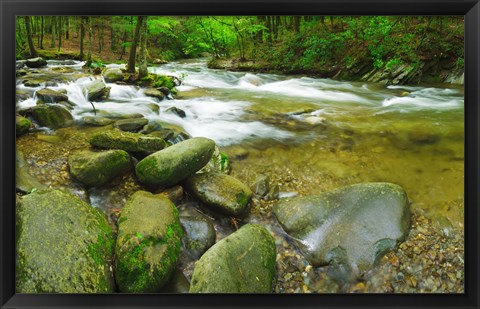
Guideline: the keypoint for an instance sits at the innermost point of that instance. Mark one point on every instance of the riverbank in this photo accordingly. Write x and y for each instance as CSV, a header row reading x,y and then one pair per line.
x,y
433,71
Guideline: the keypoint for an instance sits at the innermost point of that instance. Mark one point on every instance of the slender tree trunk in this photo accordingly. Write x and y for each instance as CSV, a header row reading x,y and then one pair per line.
x,y
59,32
41,34
67,26
124,48
133,48
82,36
53,20
143,69
296,24
89,57
33,52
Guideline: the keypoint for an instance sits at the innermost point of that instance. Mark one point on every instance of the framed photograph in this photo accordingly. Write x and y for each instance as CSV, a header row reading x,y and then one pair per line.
x,y
253,154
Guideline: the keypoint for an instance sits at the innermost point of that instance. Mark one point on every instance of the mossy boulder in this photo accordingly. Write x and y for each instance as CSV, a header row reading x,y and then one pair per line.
x,y
127,141
169,166
148,243
199,235
64,245
349,228
36,62
95,169
51,116
113,75
47,95
220,192
150,92
22,125
243,262
96,89
130,125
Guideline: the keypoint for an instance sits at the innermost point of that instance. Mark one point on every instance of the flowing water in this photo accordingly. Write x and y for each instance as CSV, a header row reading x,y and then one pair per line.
x,y
307,134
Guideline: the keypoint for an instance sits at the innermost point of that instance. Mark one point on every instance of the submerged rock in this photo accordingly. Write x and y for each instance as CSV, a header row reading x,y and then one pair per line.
x,y
36,62
199,235
64,245
25,182
177,111
95,169
243,262
219,192
148,243
130,125
22,125
47,95
349,228
175,163
127,141
97,121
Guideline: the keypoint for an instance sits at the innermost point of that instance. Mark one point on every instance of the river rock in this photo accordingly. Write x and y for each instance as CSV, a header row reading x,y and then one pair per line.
x,y
47,95
165,90
148,243
178,283
113,75
243,262
199,235
97,121
151,92
95,169
22,125
219,163
95,89
219,192
127,141
177,111
64,245
163,133
169,166
25,182
130,125
117,115
349,228
36,62
32,83
51,116
159,61
153,126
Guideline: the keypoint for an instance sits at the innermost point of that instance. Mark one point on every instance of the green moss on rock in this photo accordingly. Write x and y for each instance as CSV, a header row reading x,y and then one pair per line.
x,y
127,141
63,244
22,125
148,243
243,262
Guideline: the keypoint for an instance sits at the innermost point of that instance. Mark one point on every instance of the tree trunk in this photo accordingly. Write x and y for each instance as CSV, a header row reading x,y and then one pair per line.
x,y
33,52
82,36
59,32
89,57
67,26
296,24
53,20
41,34
143,70
133,48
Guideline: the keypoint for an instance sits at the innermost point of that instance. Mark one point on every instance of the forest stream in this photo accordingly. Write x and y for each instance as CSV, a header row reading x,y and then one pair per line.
x,y
306,136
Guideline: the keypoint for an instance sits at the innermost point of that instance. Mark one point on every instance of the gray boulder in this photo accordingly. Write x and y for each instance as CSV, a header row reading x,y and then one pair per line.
x,y
349,228
113,75
199,235
175,163
219,192
130,125
96,89
63,245
148,243
127,141
243,262
36,62
95,169
51,116
47,95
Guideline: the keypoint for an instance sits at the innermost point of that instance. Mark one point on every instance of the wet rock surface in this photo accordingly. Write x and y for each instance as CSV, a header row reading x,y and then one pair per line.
x,y
127,141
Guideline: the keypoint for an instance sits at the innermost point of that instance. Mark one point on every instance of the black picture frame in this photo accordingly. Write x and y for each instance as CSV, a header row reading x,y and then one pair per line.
x,y
10,8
